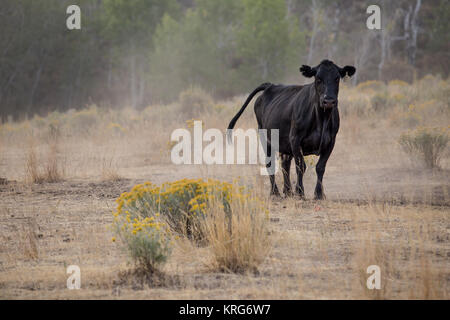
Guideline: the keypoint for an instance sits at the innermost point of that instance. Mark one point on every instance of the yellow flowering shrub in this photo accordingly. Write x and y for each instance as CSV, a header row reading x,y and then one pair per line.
x,y
227,216
195,101
380,102
398,97
409,118
370,85
147,239
399,83
85,119
116,129
182,203
190,123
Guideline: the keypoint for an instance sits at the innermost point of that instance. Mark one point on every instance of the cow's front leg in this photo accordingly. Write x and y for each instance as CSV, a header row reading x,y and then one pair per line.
x,y
286,167
320,170
300,165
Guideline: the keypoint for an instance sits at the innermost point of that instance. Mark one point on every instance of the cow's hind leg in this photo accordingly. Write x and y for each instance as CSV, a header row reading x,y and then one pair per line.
x,y
300,166
271,170
273,185
286,167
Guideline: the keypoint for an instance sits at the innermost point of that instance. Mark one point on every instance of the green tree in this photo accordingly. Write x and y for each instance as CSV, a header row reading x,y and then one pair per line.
x,y
264,40
44,65
166,60
130,26
199,50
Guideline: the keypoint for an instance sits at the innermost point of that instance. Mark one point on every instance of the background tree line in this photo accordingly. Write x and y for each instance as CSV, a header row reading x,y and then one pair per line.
x,y
139,52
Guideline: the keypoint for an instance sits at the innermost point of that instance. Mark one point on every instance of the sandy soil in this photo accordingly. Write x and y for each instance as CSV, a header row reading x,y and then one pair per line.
x,y
320,248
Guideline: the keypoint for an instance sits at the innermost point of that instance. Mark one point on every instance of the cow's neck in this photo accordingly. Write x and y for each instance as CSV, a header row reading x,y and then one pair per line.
x,y
321,116
321,119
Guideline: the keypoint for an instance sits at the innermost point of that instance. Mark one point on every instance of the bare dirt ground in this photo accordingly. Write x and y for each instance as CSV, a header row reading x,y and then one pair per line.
x,y
397,218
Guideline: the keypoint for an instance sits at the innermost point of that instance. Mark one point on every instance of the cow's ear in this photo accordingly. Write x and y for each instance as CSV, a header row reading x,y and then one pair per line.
x,y
307,71
347,71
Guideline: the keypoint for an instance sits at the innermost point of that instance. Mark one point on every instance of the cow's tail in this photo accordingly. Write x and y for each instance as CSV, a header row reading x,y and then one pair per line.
x,y
233,121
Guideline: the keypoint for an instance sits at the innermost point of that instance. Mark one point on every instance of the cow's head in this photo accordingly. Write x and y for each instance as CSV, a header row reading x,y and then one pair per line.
x,y
327,76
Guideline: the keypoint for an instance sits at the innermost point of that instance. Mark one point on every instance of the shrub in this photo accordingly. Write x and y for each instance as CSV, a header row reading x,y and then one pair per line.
x,y
224,215
370,85
116,129
427,143
194,101
409,118
219,108
39,122
354,105
379,102
398,98
147,240
399,83
85,119
181,203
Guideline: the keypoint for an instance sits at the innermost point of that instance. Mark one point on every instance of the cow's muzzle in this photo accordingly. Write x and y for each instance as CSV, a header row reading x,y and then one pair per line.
x,y
329,103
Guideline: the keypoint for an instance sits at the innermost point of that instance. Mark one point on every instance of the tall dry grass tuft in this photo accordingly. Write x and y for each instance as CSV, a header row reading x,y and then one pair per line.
x,y
239,241
32,170
49,170
53,169
110,170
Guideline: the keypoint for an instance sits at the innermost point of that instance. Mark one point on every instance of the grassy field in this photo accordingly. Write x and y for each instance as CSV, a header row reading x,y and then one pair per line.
x,y
61,174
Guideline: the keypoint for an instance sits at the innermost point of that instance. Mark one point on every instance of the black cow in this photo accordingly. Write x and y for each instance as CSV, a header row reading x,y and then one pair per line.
x,y
307,118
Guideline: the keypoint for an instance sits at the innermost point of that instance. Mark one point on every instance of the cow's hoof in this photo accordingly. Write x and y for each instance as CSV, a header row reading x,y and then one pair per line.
x,y
319,197
300,196
275,193
288,193
276,197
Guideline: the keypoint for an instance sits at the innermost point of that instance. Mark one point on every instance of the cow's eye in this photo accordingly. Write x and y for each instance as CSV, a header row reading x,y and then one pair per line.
x,y
319,81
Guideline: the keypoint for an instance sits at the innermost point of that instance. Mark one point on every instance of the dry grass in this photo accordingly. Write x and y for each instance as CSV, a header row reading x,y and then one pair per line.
x,y
110,170
382,208
403,255
53,171
28,240
32,170
320,250
239,241
39,170
379,234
